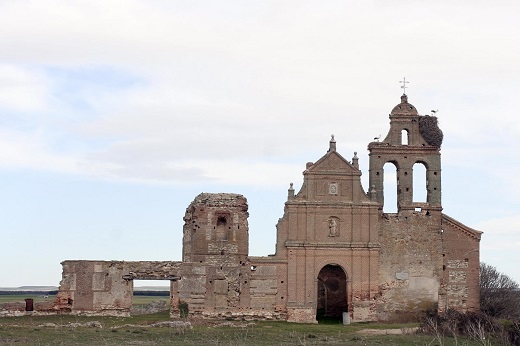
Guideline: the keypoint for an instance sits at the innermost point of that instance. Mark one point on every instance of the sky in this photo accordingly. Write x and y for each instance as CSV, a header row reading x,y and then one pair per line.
x,y
114,115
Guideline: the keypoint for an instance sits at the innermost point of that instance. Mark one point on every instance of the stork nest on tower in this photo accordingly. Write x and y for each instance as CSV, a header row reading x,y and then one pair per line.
x,y
430,131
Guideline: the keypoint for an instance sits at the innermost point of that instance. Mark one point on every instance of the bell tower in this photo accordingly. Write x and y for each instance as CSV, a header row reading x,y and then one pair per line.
x,y
412,139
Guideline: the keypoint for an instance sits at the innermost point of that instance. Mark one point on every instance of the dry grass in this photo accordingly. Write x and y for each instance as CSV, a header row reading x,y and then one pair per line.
x,y
21,298
75,330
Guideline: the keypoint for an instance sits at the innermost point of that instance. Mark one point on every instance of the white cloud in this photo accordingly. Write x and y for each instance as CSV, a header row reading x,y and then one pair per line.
x,y
22,89
506,226
30,150
262,82
500,242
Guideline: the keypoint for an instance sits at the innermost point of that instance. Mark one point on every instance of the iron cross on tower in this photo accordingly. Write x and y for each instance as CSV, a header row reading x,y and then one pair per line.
x,y
404,85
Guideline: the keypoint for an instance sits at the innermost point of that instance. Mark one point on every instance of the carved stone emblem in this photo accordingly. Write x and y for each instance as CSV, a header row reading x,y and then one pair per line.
x,y
333,188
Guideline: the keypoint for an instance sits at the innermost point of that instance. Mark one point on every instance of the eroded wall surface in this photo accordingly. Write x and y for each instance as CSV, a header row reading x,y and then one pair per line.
x,y
461,266
218,277
411,264
336,249
106,287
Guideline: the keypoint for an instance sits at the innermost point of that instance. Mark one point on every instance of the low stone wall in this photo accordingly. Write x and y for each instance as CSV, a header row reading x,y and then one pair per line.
x,y
150,308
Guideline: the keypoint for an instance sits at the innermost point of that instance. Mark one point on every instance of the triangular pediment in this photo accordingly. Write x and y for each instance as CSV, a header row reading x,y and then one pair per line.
x,y
461,228
332,162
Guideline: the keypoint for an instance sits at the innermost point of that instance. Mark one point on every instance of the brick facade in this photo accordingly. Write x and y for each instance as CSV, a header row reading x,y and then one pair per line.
x,y
336,250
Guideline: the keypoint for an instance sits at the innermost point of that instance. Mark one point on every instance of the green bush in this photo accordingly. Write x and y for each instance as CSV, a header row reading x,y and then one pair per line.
x,y
183,309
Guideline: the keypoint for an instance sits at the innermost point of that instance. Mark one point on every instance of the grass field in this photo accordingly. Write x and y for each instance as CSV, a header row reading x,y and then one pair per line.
x,y
31,330
21,298
138,300
143,300
136,330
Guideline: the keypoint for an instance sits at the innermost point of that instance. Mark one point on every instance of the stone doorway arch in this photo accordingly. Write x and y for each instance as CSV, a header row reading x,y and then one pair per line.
x,y
332,295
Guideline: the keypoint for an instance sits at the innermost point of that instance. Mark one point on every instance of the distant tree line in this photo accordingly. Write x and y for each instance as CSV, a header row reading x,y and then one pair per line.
x,y
27,293
152,293
54,292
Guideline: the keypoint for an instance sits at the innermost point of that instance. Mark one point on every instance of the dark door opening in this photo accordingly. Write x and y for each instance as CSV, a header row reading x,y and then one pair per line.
x,y
332,293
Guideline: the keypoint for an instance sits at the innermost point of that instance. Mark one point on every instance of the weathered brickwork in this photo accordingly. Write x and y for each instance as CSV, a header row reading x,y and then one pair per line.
x,y
336,250
461,265
411,244
106,287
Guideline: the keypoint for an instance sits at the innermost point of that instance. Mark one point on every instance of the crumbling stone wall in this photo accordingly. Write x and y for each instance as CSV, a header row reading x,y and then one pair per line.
x,y
218,278
29,307
461,266
106,287
216,231
411,264
336,250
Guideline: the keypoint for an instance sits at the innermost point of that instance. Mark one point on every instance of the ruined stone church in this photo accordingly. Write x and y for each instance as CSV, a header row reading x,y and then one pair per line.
x,y
336,250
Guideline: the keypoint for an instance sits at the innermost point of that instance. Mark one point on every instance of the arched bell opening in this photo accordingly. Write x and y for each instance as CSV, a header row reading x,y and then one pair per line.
x,y
390,187
420,182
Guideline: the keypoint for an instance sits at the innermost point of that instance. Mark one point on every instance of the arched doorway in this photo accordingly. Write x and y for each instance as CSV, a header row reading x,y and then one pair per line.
x,y
332,293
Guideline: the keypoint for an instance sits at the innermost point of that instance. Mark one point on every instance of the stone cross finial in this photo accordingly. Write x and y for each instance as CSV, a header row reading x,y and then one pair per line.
x,y
404,85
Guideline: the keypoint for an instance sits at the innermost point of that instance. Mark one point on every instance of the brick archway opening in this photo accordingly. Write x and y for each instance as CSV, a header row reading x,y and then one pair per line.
x,y
332,293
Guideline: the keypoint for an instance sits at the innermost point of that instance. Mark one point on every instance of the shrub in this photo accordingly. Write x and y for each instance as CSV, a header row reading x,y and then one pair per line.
x,y
477,326
499,294
183,309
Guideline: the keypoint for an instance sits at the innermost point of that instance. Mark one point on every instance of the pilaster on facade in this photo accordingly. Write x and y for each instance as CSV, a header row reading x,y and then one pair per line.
x,y
336,250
